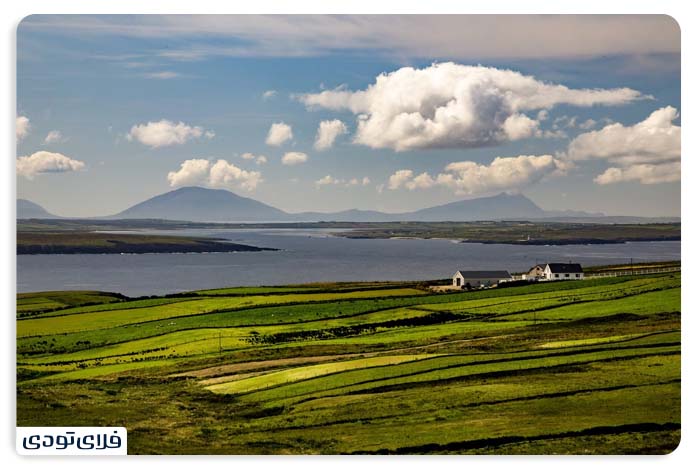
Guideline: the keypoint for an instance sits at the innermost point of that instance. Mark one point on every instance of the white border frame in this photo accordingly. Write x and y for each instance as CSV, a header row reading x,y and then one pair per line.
x,y
13,12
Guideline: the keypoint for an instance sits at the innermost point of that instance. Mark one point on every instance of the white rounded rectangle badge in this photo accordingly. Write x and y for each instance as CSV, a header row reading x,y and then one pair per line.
x,y
72,441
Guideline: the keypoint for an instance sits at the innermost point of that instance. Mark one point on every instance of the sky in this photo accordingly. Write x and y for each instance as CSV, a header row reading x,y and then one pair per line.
x,y
326,113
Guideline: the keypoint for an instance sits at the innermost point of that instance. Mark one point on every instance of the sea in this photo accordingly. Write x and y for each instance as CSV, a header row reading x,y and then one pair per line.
x,y
306,256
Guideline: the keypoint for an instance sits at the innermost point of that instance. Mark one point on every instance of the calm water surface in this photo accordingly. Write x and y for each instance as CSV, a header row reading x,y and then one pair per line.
x,y
306,256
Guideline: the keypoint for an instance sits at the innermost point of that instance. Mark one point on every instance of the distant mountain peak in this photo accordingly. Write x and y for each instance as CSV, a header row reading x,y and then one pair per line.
x,y
27,209
195,203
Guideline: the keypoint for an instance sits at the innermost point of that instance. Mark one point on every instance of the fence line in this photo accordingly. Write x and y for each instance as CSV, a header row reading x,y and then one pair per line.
x,y
629,272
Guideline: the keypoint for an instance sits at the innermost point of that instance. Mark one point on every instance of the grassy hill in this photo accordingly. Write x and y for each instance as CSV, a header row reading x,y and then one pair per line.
x,y
572,367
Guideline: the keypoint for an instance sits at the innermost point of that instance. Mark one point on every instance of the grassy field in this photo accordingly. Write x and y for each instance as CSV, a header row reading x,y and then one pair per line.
x,y
581,367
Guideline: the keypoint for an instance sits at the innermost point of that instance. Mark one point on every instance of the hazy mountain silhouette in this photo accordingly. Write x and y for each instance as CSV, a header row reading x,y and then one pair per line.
x,y
202,204
28,209
208,205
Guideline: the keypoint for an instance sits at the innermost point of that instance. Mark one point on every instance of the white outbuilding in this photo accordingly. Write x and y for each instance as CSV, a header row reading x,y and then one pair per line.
x,y
476,279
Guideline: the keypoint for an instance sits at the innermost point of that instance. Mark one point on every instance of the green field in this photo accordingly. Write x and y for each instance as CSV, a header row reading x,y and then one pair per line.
x,y
581,367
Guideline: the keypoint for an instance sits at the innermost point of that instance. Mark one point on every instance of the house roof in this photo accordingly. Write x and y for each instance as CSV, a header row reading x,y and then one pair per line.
x,y
565,267
484,274
537,266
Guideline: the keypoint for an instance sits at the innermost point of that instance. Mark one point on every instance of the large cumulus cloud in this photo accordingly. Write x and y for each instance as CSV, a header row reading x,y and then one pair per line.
x,y
648,152
448,105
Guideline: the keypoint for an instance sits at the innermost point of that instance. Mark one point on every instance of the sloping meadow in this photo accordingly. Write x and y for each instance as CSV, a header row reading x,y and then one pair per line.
x,y
383,369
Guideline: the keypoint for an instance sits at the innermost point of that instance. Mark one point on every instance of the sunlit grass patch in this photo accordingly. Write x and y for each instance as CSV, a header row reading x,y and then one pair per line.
x,y
308,372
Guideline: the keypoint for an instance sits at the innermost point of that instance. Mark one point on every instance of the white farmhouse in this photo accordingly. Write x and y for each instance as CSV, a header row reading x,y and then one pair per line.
x,y
476,279
563,271
535,273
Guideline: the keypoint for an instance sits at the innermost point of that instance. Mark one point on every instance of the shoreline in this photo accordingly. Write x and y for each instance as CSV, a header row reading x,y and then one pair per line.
x,y
539,242
137,250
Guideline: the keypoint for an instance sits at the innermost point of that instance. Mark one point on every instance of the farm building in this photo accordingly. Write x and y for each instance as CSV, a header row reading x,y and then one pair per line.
x,y
563,271
535,273
476,279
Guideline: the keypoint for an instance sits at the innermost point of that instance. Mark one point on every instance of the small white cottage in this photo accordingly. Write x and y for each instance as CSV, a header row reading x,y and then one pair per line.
x,y
476,279
563,271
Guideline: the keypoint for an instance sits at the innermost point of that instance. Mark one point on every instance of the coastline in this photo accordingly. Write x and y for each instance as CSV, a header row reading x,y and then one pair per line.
x,y
536,242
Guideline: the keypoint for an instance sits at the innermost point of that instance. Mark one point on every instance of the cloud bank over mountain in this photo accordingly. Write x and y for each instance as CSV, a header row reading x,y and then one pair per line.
x,y
218,175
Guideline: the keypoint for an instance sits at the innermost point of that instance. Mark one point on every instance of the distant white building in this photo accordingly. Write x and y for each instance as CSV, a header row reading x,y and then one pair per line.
x,y
476,279
563,271
536,273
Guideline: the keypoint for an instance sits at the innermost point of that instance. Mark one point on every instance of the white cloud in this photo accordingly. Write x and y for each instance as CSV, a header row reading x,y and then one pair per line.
x,y
565,121
468,177
587,124
648,152
191,172
654,139
542,115
166,133
43,162
278,134
225,174
519,126
327,133
449,36
399,178
162,75
293,158
270,94
220,174
421,181
447,105
259,159
328,180
22,127
54,136
405,178
644,173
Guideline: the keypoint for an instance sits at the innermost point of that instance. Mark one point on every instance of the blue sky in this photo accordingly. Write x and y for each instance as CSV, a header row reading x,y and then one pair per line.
x,y
559,100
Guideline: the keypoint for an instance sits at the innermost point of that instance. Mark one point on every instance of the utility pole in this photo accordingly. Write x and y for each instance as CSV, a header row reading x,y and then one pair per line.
x,y
219,342
632,273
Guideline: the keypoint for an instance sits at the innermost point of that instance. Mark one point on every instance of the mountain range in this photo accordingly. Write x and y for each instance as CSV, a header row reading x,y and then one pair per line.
x,y
200,204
